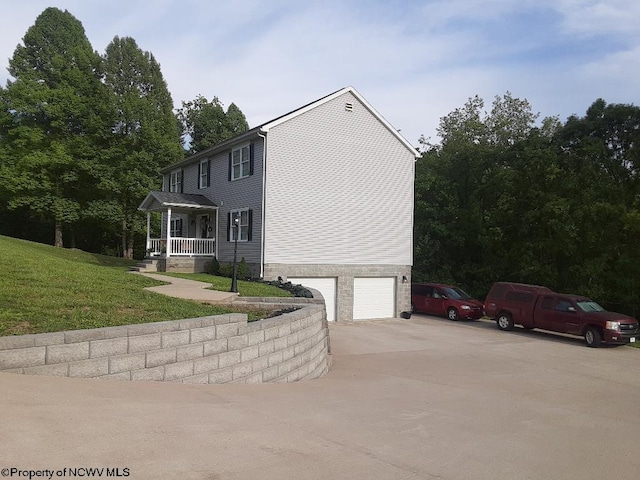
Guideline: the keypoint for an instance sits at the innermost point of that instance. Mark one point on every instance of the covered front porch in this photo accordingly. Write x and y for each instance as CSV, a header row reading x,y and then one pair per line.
x,y
188,228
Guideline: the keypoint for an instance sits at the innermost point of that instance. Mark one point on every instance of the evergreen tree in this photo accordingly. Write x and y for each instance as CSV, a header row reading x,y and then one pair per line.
x,y
205,124
145,136
58,108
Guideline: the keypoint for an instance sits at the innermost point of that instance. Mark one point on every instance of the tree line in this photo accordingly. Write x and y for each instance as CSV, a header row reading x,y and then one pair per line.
x,y
83,137
505,197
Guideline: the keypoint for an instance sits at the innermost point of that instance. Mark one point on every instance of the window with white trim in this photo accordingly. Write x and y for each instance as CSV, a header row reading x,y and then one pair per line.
x,y
243,227
240,162
175,181
203,177
176,227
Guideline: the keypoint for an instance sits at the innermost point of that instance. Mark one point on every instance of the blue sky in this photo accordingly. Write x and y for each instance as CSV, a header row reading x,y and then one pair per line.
x,y
414,61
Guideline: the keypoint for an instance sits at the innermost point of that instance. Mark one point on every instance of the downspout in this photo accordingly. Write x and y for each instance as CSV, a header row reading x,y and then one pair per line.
x,y
264,194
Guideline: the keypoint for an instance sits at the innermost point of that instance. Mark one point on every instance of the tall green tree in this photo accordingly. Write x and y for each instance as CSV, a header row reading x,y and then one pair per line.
x,y
58,107
145,137
205,124
455,185
601,155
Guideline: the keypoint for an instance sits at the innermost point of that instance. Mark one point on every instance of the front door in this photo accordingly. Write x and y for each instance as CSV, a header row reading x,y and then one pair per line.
x,y
204,227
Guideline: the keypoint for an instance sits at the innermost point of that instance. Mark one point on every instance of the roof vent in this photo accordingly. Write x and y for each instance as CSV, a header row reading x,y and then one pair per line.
x,y
348,107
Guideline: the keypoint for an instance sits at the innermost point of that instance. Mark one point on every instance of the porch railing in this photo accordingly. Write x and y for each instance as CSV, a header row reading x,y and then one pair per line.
x,y
183,246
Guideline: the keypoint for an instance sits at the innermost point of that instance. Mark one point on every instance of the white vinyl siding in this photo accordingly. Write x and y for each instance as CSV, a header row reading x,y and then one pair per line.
x,y
327,287
374,298
339,189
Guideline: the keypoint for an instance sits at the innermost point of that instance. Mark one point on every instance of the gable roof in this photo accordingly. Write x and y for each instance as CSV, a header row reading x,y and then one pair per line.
x,y
155,201
265,127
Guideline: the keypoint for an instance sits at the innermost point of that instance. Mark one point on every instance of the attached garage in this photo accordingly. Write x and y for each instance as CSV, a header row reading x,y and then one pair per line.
x,y
326,286
374,297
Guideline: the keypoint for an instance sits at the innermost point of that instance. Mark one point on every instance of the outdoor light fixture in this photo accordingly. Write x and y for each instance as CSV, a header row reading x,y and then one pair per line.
x,y
234,279
404,279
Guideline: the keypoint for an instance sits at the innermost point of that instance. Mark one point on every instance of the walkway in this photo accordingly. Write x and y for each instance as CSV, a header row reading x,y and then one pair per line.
x,y
188,289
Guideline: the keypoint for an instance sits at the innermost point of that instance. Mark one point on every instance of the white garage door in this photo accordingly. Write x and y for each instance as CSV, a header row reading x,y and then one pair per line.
x,y
326,286
374,298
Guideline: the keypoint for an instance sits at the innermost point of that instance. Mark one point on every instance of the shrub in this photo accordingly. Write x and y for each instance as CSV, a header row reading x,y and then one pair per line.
x,y
214,267
296,290
243,270
226,270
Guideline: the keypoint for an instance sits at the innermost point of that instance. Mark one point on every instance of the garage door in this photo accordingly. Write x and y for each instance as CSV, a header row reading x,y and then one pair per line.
x,y
374,298
326,286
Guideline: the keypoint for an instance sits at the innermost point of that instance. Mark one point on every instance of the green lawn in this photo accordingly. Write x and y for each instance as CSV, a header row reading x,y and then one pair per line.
x,y
47,289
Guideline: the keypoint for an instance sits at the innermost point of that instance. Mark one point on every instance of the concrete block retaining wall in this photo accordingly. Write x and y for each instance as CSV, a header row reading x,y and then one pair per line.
x,y
218,349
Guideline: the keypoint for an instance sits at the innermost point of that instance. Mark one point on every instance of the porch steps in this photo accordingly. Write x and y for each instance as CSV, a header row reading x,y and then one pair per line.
x,y
147,265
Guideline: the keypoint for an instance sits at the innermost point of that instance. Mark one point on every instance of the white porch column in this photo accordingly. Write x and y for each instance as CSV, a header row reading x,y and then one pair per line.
x,y
216,235
168,232
148,231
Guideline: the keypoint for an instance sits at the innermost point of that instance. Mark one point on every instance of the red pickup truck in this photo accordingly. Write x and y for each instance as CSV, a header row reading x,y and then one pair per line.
x,y
533,306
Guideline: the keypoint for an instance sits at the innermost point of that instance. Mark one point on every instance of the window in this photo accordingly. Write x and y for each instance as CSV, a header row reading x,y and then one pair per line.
x,y
422,290
564,306
176,227
240,162
244,227
498,291
522,297
204,174
175,181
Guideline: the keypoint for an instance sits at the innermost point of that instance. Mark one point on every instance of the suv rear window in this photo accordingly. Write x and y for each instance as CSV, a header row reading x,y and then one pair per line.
x,y
497,291
523,297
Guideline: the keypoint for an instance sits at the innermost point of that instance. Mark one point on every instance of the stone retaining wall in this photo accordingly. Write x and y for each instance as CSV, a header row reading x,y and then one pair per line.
x,y
217,349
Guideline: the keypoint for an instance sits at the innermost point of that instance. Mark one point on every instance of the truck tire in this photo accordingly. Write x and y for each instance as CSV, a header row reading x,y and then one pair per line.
x,y
504,322
593,337
452,314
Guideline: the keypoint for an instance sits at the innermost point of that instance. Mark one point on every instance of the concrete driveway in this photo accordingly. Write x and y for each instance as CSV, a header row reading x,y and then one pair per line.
x,y
424,398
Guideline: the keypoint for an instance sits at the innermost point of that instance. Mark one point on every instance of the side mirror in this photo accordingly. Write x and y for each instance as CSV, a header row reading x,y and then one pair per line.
x,y
571,309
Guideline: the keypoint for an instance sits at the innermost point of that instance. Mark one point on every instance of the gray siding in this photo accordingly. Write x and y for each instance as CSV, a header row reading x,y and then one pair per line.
x,y
339,189
232,195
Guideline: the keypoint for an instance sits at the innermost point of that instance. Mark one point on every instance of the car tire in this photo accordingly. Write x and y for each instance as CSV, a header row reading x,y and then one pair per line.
x,y
504,322
593,337
452,314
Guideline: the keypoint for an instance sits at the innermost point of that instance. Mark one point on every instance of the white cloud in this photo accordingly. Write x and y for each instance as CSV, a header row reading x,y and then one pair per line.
x,y
596,17
414,60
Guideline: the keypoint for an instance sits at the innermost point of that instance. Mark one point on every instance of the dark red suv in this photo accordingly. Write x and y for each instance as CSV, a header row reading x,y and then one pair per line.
x,y
445,300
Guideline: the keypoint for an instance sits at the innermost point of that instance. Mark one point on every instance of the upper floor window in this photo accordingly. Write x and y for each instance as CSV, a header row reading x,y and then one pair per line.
x,y
175,181
244,225
204,174
240,162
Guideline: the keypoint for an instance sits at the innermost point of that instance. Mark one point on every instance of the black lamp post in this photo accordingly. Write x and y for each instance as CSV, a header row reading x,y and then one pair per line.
x,y
234,279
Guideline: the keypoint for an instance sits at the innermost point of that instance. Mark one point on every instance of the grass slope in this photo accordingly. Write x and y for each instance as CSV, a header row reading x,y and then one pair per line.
x,y
47,289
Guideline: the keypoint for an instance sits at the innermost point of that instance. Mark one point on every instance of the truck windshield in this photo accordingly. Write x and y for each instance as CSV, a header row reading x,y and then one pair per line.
x,y
456,294
589,306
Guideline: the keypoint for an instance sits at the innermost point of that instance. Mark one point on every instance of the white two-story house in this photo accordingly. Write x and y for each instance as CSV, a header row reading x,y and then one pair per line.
x,y
323,195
